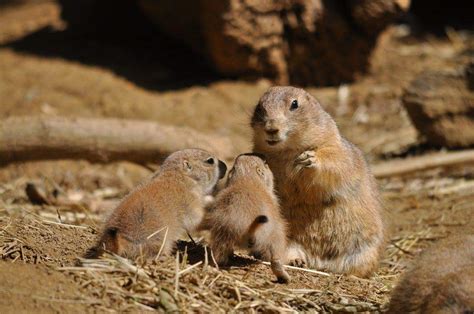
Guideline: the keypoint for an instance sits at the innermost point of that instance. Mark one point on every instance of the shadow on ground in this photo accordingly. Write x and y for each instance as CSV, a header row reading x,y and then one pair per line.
x,y
121,39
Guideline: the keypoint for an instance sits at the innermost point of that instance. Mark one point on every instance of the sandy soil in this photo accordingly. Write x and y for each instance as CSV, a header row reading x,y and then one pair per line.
x,y
50,72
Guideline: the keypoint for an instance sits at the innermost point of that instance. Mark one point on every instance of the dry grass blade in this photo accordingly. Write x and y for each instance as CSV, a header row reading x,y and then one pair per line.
x,y
176,277
184,271
162,244
155,233
302,269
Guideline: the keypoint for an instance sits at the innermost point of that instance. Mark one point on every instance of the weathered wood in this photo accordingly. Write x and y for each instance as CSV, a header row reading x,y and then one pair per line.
x,y
100,140
409,165
302,42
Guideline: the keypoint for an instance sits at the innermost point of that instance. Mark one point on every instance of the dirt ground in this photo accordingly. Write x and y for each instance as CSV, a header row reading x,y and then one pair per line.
x,y
46,70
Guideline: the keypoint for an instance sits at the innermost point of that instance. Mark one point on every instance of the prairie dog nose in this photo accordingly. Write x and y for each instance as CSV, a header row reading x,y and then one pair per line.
x,y
271,127
271,131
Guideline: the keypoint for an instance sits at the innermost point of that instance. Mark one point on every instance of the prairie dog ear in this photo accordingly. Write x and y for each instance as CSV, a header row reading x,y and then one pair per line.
x,y
312,100
260,172
230,174
187,166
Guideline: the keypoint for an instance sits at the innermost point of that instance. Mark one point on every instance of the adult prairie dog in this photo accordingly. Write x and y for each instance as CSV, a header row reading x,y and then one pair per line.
x,y
164,207
441,280
246,215
328,195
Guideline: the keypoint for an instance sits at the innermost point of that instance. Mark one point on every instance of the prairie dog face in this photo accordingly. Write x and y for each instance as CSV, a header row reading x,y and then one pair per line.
x,y
283,115
251,165
199,165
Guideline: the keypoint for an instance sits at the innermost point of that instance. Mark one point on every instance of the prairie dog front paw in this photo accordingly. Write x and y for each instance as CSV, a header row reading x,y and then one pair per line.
x,y
208,200
307,159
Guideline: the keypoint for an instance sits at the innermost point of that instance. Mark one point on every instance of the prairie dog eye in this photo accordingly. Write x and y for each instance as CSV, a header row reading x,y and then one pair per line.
x,y
210,161
294,105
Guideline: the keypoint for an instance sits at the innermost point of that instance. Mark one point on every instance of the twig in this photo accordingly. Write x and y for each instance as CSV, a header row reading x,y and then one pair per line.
x,y
155,233
206,259
64,225
409,165
176,277
162,244
214,260
132,268
402,249
302,269
184,271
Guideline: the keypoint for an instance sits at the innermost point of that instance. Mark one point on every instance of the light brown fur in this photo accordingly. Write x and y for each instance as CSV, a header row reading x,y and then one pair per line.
x,y
172,201
441,280
328,195
246,215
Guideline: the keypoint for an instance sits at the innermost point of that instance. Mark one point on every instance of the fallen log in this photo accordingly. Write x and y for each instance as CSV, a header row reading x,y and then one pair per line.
x,y
100,140
409,165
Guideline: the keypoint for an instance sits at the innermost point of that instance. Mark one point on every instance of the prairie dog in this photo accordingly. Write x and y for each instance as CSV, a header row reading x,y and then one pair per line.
x,y
161,209
246,215
328,195
441,280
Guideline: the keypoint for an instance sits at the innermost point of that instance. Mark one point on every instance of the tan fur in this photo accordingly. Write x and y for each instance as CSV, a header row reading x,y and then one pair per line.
x,y
328,195
441,280
172,200
233,219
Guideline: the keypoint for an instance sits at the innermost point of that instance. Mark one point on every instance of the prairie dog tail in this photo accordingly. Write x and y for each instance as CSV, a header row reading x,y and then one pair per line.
x,y
254,226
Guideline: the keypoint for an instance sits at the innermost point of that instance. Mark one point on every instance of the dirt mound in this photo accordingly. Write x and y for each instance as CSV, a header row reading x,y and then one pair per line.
x,y
424,207
38,289
40,241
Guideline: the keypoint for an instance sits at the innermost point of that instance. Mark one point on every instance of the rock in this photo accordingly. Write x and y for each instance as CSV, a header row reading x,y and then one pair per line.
x,y
441,106
300,42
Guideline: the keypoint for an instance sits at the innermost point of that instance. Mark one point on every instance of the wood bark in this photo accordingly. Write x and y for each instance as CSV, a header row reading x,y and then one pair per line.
x,y
302,42
100,140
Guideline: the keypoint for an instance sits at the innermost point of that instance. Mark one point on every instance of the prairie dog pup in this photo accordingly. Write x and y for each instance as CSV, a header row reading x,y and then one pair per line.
x,y
441,280
172,201
246,215
328,195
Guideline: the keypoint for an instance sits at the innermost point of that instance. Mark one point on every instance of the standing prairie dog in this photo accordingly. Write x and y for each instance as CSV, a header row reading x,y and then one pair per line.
x,y
246,215
164,207
441,280
328,195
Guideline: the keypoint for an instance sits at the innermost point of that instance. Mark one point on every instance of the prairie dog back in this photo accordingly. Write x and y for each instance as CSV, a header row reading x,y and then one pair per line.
x,y
441,280
154,215
246,215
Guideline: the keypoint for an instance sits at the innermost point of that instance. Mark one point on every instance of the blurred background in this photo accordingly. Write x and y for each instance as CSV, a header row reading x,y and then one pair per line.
x,y
204,64
397,76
